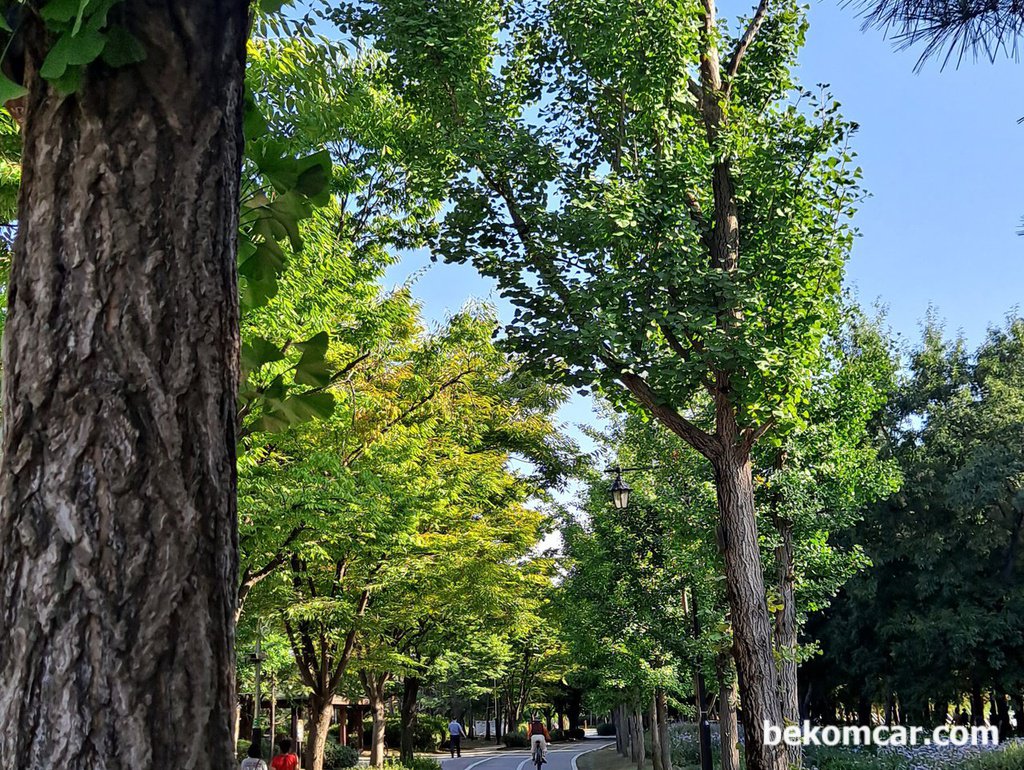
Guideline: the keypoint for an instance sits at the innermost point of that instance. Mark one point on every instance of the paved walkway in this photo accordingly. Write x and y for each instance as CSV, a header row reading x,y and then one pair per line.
x,y
560,757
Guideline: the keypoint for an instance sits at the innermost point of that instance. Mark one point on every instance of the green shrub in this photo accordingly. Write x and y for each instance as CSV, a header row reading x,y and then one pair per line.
x,y
557,735
579,733
337,756
606,729
516,740
418,763
1008,757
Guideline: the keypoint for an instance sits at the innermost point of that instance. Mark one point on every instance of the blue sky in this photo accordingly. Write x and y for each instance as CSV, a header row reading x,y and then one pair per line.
x,y
942,157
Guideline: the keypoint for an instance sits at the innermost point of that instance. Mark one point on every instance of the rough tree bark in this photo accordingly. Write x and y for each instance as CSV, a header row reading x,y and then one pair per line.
x,y
321,709
638,736
752,647
785,632
727,721
117,522
657,757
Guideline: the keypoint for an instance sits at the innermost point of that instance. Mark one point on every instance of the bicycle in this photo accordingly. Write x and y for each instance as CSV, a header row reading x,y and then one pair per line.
x,y
538,755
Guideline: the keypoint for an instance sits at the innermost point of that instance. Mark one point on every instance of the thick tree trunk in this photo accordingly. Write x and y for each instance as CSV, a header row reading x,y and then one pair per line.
x,y
374,685
117,522
410,693
620,732
321,709
638,736
573,711
752,647
785,632
657,758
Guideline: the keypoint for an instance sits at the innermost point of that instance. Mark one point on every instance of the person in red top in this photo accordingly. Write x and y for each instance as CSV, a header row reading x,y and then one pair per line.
x,y
285,760
538,733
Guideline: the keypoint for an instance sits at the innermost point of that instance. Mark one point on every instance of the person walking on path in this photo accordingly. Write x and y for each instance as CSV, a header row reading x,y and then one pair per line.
x,y
455,733
285,760
254,761
538,733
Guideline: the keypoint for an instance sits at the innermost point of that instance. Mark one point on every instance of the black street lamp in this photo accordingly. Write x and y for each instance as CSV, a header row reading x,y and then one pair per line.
x,y
620,489
620,493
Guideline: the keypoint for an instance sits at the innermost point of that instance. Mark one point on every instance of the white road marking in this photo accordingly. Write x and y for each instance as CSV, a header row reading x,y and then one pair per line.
x,y
588,751
481,761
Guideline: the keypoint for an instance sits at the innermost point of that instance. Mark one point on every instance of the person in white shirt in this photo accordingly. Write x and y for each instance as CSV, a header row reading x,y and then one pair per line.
x,y
254,761
455,734
539,736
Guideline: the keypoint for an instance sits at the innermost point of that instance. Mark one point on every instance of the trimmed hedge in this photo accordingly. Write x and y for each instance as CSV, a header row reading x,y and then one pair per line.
x,y
605,729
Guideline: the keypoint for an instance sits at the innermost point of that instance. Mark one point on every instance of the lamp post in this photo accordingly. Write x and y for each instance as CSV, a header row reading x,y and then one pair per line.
x,y
256,658
620,499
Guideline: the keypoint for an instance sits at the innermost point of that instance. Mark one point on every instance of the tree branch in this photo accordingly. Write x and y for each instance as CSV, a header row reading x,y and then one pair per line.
x,y
744,43
705,443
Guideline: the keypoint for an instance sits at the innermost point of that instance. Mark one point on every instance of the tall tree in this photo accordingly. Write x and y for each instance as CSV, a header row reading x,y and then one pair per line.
x,y
117,518
940,614
673,223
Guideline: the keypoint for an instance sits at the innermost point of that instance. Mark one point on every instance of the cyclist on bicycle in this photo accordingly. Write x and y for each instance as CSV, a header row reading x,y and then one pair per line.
x,y
538,735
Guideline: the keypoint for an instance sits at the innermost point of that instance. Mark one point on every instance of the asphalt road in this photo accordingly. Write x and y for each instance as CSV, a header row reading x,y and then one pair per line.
x,y
559,758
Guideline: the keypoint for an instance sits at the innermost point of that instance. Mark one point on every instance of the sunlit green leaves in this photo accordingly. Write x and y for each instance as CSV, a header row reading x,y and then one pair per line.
x,y
592,205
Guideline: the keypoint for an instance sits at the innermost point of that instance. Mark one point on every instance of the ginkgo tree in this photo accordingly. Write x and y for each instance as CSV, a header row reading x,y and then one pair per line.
x,y
668,212
408,481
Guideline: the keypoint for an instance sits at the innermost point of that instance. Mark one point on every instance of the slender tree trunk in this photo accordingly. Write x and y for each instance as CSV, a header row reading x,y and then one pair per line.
x,y
246,717
410,693
620,733
977,705
864,711
657,758
1001,713
117,521
785,630
377,733
752,646
321,708
273,718
630,720
661,701
727,719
